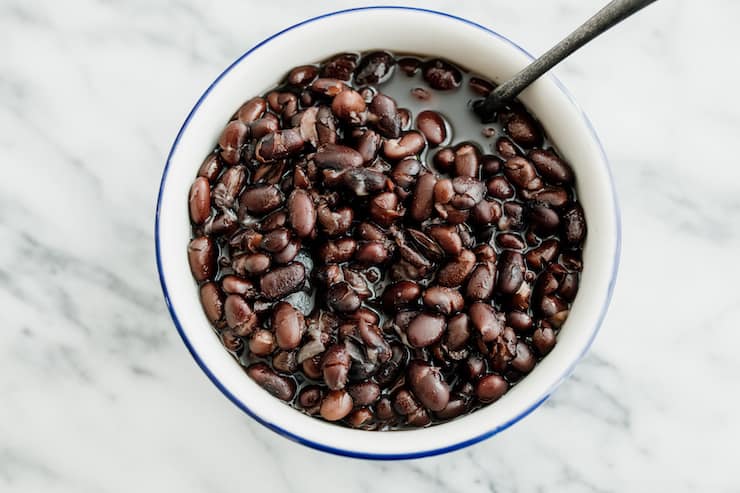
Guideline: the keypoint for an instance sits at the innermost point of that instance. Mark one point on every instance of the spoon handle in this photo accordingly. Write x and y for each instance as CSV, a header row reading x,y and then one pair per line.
x,y
613,13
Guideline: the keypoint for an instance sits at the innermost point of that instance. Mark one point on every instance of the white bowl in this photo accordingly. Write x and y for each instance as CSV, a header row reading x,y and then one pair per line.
x,y
402,30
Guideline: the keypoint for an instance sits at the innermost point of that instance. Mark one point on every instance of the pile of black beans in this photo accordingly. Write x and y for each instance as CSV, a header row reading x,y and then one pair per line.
x,y
369,272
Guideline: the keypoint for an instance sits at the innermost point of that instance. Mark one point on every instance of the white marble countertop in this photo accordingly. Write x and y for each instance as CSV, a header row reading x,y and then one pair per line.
x,y
97,391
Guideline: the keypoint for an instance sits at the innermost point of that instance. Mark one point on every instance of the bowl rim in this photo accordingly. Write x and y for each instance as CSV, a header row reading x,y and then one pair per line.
x,y
421,453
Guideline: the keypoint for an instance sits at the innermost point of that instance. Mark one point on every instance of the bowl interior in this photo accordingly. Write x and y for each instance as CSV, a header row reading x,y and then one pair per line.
x,y
409,31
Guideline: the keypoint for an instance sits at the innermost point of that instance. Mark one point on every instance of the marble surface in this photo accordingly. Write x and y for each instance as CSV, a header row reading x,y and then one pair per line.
x,y
97,391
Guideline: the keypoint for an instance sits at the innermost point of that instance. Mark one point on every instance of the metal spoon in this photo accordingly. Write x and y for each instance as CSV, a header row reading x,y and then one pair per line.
x,y
612,14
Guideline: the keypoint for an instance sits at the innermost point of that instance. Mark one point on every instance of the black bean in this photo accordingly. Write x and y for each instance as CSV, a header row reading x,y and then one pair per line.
x,y
455,272
574,225
302,76
410,144
425,329
374,67
384,116
443,300
441,75
282,281
428,385
202,258
281,387
486,320
490,388
200,200
510,271
262,199
432,125
340,67
212,299
553,169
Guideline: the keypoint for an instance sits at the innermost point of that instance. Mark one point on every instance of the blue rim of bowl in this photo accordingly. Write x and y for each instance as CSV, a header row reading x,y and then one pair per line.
x,y
422,453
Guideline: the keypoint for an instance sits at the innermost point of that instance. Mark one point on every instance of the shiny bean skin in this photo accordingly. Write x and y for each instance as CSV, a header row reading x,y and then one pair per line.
x,y
232,284
523,130
342,298
288,324
200,200
360,418
287,254
522,174
231,141
212,299
425,329
443,300
275,240
539,257
432,125
282,281
544,340
254,264
455,272
574,225
401,294
490,388
384,208
368,145
404,173
447,238
266,125
544,218
349,106
458,331
486,212
202,258
338,251
421,207
428,385
340,66
262,199
226,190
364,393
553,169
262,343
301,213
334,223
302,76
441,75
372,253
335,367
506,148
411,144
500,188
251,110
481,282
281,387
444,160
486,320
405,403
210,168
524,360
467,161
510,271
519,321
336,405
374,67
384,116
239,315
334,156
231,341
